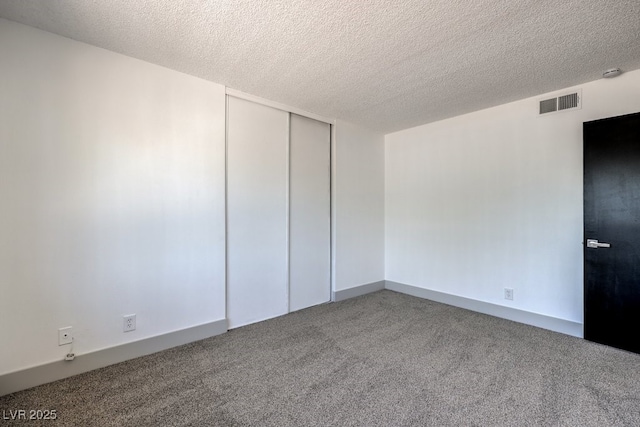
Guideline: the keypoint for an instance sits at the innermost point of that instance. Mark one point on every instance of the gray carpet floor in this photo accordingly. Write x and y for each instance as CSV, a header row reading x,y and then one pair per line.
x,y
383,359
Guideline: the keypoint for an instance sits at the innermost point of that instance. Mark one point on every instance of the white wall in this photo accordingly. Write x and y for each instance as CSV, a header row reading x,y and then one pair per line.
x,y
112,197
493,199
358,211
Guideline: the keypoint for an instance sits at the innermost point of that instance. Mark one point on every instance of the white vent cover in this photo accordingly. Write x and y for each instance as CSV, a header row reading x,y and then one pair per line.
x,y
569,101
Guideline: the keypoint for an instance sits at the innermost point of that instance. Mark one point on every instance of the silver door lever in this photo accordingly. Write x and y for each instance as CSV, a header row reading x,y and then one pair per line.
x,y
593,243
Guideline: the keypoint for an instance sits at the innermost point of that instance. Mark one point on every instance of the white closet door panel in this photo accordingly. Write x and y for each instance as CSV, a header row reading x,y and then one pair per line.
x,y
309,257
257,145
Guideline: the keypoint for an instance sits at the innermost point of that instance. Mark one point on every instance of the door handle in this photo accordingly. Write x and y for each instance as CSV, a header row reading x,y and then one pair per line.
x,y
593,243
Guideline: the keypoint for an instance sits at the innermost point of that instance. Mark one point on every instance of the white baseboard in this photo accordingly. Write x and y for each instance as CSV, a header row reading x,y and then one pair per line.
x,y
357,291
49,372
563,326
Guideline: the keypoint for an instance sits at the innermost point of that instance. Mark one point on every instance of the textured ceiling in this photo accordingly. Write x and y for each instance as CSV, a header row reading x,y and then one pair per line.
x,y
383,64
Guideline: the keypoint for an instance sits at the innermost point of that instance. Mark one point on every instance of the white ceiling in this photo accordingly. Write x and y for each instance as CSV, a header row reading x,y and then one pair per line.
x,y
383,64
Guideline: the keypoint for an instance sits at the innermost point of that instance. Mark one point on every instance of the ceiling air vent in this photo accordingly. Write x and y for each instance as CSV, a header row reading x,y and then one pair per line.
x,y
548,105
570,101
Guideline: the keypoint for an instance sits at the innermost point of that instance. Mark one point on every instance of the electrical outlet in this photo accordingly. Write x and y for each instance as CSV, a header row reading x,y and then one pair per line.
x,y
129,323
65,336
508,293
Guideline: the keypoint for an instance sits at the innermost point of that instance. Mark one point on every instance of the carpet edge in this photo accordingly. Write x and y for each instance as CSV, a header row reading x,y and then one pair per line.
x,y
357,291
555,324
60,369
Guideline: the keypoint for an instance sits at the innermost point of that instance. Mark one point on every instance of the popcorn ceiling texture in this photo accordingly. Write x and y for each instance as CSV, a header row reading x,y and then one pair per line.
x,y
383,64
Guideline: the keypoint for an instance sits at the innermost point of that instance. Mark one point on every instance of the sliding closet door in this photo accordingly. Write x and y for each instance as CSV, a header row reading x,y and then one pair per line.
x,y
257,168
309,256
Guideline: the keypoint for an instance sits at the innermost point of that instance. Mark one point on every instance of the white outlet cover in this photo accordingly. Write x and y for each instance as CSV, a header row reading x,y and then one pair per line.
x,y
129,323
508,294
65,335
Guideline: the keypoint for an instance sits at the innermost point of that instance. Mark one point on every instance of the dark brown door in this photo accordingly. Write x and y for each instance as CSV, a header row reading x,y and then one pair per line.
x,y
612,231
